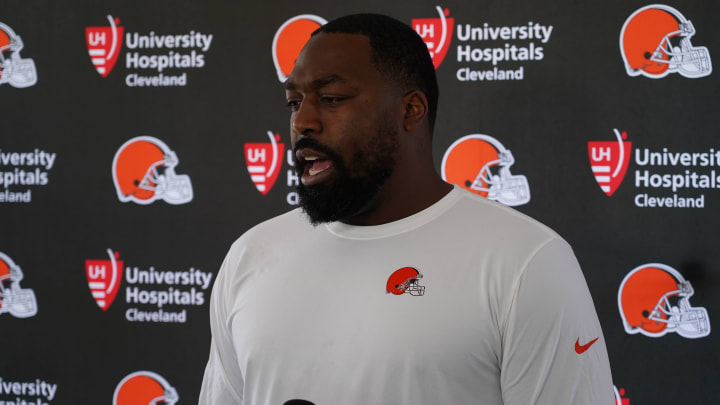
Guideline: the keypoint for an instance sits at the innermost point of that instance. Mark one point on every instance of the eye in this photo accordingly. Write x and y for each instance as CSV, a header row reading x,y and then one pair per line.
x,y
331,99
293,105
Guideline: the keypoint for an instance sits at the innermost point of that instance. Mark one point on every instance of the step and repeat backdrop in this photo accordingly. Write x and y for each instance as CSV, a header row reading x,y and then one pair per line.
x,y
140,139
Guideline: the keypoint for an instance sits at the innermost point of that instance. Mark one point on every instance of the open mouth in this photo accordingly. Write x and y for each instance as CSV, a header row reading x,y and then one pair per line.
x,y
316,166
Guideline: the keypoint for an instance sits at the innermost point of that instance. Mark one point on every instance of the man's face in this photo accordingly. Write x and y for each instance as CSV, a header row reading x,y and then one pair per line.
x,y
343,126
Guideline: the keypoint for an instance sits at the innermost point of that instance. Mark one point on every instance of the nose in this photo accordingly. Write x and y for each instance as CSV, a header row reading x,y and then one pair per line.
x,y
306,120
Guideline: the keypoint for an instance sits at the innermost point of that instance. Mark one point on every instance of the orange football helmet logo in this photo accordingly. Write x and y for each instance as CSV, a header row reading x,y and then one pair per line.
x,y
481,164
15,70
144,171
654,300
144,388
289,41
405,280
19,302
655,41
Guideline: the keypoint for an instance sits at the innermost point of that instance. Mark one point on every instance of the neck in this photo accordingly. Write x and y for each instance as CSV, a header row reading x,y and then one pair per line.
x,y
413,187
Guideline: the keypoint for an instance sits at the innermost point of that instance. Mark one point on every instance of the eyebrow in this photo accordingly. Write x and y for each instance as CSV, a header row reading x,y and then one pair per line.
x,y
318,83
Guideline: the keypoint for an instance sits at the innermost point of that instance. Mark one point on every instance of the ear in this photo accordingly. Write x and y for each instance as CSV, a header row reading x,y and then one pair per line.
x,y
416,109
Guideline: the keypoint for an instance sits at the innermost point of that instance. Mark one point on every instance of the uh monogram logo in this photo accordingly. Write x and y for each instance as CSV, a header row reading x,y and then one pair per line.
x,y
437,33
264,160
609,161
104,45
104,278
620,398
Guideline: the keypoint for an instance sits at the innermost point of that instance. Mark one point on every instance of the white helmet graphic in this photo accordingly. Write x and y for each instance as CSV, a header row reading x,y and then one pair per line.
x,y
19,302
655,41
481,164
144,171
654,300
14,70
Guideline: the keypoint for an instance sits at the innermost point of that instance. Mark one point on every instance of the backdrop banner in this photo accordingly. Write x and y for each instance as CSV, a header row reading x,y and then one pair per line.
x,y
140,139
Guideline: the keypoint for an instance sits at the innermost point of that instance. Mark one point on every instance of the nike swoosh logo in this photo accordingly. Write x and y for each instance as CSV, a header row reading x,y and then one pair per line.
x,y
580,349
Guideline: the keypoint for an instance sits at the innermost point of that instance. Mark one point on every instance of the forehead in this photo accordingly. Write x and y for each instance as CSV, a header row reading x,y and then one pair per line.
x,y
347,56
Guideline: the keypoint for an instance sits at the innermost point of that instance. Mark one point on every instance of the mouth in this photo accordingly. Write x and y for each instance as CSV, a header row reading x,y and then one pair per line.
x,y
317,167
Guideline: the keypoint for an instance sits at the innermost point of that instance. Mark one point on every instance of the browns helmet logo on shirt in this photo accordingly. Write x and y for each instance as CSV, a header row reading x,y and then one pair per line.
x,y
655,41
481,164
18,302
405,280
290,39
654,300
144,388
144,171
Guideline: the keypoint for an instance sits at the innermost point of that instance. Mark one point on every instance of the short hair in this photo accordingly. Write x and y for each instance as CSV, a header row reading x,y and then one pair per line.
x,y
397,51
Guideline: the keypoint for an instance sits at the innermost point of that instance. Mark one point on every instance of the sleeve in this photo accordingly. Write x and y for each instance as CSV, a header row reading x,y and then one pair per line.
x,y
222,383
553,349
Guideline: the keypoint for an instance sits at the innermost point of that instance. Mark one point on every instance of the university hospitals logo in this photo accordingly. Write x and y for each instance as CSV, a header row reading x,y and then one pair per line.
x,y
144,388
143,171
104,278
104,45
609,161
289,40
15,70
668,178
32,391
620,398
18,302
487,51
19,171
152,294
152,59
655,41
481,164
264,161
654,300
437,33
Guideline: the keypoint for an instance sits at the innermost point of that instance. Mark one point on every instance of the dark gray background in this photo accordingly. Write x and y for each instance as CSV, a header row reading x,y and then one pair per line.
x,y
578,93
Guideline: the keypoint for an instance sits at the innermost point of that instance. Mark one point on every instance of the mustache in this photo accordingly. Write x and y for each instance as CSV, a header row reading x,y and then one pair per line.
x,y
311,143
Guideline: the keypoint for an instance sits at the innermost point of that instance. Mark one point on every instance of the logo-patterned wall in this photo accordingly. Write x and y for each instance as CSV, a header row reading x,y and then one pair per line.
x,y
138,141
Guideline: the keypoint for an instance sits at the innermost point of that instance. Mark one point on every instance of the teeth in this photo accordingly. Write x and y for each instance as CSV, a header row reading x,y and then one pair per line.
x,y
311,158
313,172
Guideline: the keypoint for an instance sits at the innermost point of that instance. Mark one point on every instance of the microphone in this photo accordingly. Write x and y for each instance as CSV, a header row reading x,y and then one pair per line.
x,y
298,402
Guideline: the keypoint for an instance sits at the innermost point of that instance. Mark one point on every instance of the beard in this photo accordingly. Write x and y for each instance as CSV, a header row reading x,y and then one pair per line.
x,y
356,183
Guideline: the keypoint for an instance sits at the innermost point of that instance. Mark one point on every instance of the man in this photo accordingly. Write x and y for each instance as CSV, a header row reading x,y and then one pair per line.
x,y
391,286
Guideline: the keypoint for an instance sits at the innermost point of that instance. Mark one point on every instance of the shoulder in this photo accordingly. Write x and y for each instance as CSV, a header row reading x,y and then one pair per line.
x,y
498,226
273,230
263,239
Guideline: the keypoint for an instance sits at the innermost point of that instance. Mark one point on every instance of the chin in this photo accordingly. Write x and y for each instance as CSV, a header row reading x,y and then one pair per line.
x,y
341,200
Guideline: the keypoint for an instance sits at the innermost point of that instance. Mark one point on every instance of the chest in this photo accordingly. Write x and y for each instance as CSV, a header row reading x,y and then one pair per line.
x,y
319,309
